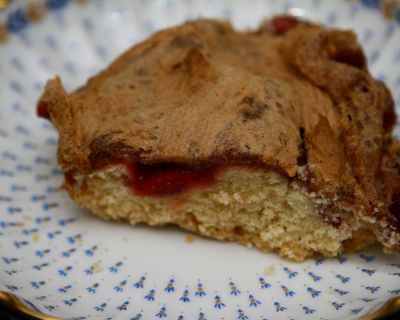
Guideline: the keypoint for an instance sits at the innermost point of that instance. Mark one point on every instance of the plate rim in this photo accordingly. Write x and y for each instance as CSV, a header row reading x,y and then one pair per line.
x,y
390,307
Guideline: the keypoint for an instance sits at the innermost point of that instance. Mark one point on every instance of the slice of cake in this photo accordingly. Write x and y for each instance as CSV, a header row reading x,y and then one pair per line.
x,y
277,138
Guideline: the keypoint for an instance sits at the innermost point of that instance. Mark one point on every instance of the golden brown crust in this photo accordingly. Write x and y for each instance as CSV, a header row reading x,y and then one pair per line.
x,y
302,103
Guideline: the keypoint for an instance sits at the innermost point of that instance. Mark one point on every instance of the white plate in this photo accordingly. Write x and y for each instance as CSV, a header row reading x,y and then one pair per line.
x,y
65,262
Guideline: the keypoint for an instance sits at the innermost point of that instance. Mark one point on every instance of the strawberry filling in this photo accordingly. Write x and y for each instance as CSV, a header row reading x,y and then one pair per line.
x,y
165,179
282,24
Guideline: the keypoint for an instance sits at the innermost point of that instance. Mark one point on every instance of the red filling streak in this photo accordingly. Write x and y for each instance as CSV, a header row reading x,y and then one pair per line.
x,y
167,179
283,24
42,110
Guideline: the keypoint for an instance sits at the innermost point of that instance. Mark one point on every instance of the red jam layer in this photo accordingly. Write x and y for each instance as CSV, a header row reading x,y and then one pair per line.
x,y
282,24
165,179
42,111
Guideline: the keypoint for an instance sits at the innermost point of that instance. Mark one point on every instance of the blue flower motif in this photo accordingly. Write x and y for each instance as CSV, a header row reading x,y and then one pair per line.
x,y
139,284
89,271
47,206
291,273
120,287
70,302
10,272
150,295
27,232
101,307
263,283
170,286
279,307
319,261
73,239
9,260
343,279
123,306
42,160
13,224
67,254
40,220
11,288
49,307
90,252
202,316
56,4
308,310
242,315
115,268
367,258
37,284
372,289
93,288
137,317
368,271
314,292
162,313
314,277
19,244
185,296
356,311
40,266
64,222
253,301
41,298
338,305
288,293
341,292
8,155
218,304
200,291
16,21
234,290
13,210
6,173
51,235
64,289
64,272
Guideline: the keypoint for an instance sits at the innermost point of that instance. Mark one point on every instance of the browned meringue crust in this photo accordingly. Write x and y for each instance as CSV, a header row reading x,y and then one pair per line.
x,y
202,93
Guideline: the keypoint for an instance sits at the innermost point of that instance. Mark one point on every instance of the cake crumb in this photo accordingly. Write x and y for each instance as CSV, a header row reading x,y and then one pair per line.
x,y
189,238
35,237
97,267
269,271
331,291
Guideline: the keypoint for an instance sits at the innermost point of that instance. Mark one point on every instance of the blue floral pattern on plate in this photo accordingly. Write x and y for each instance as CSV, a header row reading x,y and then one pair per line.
x,y
62,261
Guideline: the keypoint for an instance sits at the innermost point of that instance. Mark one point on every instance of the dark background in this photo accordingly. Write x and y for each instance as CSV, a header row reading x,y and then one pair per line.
x,y
7,314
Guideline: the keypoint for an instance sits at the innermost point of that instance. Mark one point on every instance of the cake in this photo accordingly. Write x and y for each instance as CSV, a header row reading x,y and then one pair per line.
x,y
277,138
